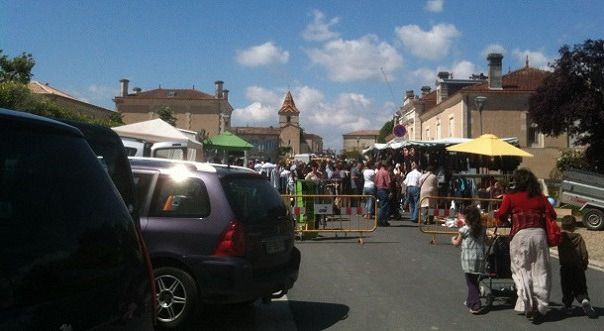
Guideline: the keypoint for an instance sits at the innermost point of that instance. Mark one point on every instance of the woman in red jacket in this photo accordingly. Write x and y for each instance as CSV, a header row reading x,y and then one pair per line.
x,y
529,251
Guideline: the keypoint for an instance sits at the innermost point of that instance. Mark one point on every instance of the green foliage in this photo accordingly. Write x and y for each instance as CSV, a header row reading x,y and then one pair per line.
x,y
385,131
572,159
167,115
571,99
17,69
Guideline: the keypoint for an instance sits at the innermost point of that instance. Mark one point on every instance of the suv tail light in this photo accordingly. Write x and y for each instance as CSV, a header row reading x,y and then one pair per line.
x,y
232,240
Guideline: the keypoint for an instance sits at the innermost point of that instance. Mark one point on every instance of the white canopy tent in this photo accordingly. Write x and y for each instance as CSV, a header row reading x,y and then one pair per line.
x,y
156,131
397,143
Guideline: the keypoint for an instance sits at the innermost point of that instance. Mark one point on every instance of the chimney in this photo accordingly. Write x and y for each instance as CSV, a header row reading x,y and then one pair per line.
x,y
442,89
219,84
137,90
225,93
409,94
124,87
495,81
425,90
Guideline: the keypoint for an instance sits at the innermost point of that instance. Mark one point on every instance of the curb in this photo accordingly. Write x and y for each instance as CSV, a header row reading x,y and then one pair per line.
x,y
595,265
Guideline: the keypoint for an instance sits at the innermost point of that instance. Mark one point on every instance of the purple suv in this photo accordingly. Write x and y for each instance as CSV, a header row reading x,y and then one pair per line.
x,y
215,233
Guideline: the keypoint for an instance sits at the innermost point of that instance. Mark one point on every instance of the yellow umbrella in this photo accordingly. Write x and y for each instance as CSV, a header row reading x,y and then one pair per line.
x,y
490,145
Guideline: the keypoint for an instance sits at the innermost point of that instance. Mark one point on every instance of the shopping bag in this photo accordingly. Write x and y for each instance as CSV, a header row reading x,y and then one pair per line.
x,y
552,230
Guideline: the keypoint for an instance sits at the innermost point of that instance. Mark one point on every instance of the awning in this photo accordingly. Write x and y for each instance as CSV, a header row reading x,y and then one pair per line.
x,y
227,141
154,131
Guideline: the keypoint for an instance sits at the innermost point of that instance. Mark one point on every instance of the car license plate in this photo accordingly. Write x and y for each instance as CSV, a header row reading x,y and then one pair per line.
x,y
274,247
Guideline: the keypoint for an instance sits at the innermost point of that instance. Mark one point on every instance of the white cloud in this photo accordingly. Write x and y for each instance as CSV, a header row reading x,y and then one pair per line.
x,y
262,55
422,76
537,59
326,118
360,59
435,6
433,44
492,48
319,30
262,110
463,69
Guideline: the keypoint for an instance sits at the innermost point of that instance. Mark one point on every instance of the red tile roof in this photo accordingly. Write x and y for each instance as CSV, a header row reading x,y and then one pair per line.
x,y
164,93
525,79
288,105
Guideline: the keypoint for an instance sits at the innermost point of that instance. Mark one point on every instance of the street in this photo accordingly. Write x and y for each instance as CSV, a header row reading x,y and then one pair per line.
x,y
396,280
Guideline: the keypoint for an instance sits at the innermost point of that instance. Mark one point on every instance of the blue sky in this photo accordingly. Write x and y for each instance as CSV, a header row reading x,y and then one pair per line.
x,y
332,55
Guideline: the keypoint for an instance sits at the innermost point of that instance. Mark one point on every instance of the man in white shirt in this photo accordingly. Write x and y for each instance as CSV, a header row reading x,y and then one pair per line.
x,y
412,183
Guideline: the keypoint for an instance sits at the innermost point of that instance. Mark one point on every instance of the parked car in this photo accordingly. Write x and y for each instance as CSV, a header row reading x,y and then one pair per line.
x,y
585,189
216,234
72,258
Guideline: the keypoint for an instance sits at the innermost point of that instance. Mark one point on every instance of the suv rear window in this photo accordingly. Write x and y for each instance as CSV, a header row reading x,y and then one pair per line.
x,y
180,198
253,199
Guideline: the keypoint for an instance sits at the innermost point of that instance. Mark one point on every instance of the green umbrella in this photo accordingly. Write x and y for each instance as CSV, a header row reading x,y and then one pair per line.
x,y
227,141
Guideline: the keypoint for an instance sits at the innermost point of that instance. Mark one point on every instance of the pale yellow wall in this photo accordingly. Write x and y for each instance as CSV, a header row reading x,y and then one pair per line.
x,y
194,115
431,124
350,143
290,137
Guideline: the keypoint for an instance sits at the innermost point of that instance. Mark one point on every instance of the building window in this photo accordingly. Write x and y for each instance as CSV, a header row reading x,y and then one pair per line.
x,y
451,126
288,119
438,130
534,136
427,134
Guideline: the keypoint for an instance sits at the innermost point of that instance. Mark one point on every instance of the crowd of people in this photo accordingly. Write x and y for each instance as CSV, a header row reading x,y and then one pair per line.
x,y
403,185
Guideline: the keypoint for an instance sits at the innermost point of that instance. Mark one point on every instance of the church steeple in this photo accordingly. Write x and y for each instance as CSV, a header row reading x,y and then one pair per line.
x,y
288,105
289,114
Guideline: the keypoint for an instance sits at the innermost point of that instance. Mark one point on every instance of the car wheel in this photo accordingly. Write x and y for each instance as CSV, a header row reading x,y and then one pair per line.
x,y
594,219
177,297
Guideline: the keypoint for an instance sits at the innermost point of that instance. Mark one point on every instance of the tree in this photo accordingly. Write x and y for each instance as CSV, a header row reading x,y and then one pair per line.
x,y
571,99
385,131
17,69
167,115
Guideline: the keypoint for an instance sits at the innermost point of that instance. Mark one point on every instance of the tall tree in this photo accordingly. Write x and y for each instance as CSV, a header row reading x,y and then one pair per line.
x,y
17,69
167,115
571,99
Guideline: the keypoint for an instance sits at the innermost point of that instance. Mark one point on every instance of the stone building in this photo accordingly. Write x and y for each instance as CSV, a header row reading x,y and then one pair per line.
x,y
359,140
288,139
194,110
503,113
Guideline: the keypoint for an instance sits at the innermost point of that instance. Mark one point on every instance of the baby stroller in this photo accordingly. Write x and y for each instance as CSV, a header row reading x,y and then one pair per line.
x,y
497,280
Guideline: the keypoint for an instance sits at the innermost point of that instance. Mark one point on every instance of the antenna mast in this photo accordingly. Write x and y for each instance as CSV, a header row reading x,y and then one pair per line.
x,y
388,83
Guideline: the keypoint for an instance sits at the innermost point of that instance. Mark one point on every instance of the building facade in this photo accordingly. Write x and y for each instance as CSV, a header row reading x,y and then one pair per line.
x,y
287,140
193,109
359,140
503,112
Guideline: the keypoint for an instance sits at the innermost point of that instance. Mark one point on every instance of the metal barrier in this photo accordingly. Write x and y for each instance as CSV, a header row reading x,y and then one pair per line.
x,y
440,219
338,214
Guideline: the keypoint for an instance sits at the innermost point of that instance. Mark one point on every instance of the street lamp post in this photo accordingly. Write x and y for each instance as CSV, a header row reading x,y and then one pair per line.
x,y
479,102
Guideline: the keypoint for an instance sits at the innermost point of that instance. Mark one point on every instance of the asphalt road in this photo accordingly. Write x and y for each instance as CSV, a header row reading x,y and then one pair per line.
x,y
396,280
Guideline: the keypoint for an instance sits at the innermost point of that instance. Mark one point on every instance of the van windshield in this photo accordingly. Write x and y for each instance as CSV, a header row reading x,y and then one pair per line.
x,y
253,199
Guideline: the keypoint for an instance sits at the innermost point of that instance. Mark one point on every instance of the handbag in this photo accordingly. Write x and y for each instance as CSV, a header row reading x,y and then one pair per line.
x,y
552,230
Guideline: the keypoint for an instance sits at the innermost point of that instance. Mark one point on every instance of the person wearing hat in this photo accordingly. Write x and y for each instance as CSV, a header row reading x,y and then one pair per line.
x,y
573,263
